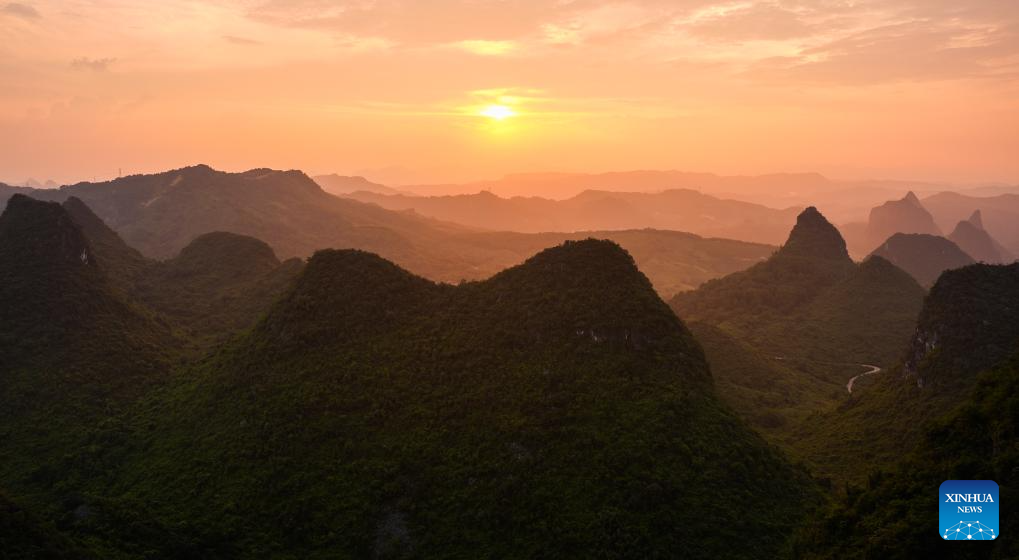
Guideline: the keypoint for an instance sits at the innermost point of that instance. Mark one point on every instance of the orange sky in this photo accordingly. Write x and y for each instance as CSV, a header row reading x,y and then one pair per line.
x,y
925,89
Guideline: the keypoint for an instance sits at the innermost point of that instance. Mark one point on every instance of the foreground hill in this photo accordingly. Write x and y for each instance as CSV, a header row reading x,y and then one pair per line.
x,y
73,350
923,256
892,516
161,214
558,409
676,209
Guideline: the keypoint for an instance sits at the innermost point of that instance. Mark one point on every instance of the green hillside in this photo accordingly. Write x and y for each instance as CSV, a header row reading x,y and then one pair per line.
x,y
787,334
894,515
813,259
969,323
73,351
865,318
557,410
221,283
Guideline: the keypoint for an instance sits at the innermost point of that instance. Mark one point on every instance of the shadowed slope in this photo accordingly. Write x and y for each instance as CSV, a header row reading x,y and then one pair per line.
x,y
557,409
924,257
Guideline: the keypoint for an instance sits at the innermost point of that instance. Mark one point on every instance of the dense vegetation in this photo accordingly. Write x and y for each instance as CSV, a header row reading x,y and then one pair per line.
x,y
787,334
969,323
813,259
73,352
221,283
24,536
895,516
558,409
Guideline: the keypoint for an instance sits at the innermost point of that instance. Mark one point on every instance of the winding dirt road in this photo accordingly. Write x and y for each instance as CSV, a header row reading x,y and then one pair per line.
x,y
871,371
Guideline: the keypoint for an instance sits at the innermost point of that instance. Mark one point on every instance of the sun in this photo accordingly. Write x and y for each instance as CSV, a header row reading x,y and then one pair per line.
x,y
497,112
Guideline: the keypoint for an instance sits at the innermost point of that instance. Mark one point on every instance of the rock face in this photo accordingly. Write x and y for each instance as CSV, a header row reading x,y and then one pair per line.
x,y
813,236
923,256
907,215
969,322
972,238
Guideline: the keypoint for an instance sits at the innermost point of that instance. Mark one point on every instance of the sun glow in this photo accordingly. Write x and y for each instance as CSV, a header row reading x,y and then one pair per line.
x,y
497,112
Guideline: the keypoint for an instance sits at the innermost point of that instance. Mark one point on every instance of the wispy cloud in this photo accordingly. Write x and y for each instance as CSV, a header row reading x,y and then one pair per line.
x,y
19,10
93,64
241,40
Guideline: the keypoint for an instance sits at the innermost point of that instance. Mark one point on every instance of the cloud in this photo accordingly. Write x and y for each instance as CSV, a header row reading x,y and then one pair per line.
x,y
241,40
411,21
93,64
19,10
912,51
761,21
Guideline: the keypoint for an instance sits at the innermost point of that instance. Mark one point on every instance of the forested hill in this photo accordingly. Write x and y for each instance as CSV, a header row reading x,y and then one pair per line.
x,y
558,409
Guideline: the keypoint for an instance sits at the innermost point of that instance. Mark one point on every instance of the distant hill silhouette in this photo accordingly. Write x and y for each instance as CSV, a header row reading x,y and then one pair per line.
x,y
923,256
900,216
974,240
161,214
678,209
345,184
999,214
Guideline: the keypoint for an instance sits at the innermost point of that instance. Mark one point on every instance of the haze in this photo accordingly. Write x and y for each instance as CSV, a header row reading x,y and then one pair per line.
x,y
456,90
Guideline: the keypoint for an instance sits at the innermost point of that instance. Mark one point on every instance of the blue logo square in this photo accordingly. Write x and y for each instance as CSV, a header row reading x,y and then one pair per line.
x,y
969,510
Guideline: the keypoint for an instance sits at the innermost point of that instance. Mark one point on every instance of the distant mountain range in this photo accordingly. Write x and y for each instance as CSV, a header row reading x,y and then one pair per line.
x,y
1000,214
345,184
161,214
677,209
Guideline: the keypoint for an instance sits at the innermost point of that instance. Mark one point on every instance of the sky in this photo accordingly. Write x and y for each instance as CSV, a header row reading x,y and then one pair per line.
x,y
453,90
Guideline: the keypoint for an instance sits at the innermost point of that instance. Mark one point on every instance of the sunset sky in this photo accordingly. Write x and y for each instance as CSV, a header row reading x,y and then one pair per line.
x,y
453,90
